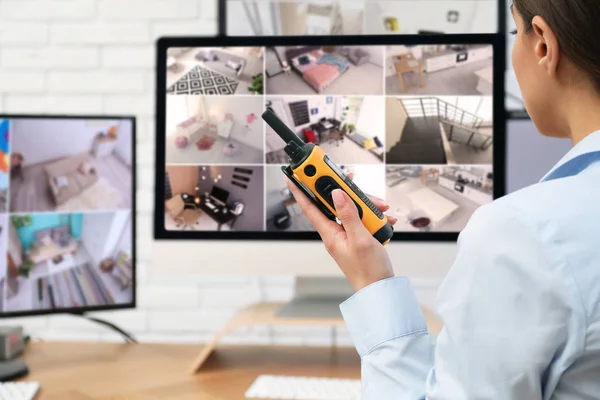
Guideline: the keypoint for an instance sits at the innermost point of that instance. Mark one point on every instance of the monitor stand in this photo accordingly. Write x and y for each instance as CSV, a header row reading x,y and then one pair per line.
x,y
128,337
315,303
317,298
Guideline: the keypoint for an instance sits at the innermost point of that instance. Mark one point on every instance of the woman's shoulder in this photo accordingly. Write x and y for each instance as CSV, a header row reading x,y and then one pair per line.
x,y
552,204
552,227
559,217
523,207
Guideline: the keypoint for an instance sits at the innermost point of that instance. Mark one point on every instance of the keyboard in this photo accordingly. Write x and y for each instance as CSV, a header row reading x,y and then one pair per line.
x,y
303,388
19,390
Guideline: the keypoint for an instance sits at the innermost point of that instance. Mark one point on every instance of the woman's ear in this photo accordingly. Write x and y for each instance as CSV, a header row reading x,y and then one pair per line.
x,y
546,46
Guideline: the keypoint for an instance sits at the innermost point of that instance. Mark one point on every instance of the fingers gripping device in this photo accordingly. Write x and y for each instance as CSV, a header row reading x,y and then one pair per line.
x,y
316,175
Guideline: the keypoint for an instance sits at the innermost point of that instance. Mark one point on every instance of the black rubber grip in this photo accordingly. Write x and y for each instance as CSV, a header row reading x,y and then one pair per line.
x,y
384,233
288,172
325,185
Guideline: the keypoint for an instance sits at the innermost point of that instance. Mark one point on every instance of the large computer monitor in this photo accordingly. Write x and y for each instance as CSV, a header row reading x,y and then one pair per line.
x,y
67,214
412,116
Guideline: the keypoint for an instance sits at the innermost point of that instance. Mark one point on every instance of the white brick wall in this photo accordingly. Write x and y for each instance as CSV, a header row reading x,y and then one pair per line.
x,y
97,56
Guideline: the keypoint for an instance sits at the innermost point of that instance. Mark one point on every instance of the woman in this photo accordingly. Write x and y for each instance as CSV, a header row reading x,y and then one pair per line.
x,y
521,304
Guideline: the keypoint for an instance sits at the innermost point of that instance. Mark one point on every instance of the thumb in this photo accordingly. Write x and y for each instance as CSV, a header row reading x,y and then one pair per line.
x,y
347,213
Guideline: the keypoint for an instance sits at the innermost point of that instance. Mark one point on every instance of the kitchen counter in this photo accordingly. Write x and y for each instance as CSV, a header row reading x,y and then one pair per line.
x,y
476,46
445,52
448,58
434,54
480,189
470,185
474,193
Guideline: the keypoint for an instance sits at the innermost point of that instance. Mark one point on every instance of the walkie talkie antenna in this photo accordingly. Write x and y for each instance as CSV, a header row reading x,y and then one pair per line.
x,y
281,129
294,147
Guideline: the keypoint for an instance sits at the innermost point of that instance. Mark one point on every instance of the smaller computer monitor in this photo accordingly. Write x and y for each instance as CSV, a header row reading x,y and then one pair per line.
x,y
67,214
219,194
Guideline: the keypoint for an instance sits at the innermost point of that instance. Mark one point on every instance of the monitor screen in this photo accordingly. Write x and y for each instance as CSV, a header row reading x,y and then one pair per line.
x,y
219,194
411,117
67,211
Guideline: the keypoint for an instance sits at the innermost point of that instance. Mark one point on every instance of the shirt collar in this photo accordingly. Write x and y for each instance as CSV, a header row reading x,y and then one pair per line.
x,y
581,156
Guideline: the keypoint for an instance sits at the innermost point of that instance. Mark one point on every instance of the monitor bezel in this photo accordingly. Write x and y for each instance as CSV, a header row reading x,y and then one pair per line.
x,y
498,42
87,309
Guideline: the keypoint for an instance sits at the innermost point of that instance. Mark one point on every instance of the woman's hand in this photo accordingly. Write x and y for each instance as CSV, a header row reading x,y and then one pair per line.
x,y
359,255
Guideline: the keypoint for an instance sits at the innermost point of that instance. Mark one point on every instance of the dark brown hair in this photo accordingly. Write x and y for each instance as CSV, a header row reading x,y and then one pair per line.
x,y
576,24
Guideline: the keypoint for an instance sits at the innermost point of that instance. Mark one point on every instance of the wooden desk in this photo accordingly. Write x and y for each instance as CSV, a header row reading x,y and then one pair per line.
x,y
222,215
107,371
407,63
323,132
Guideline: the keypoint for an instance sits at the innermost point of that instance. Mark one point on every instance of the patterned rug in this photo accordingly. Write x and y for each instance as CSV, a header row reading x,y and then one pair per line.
x,y
200,80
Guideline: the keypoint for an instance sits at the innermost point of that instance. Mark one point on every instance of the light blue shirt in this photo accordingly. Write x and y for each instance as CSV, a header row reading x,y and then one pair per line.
x,y
520,307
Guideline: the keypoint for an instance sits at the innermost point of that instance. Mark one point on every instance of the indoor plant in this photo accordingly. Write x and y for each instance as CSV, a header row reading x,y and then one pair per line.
x,y
26,268
257,84
21,221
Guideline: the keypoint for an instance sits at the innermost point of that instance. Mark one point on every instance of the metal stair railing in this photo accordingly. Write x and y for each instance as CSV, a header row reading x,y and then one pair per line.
x,y
433,107
475,138
458,115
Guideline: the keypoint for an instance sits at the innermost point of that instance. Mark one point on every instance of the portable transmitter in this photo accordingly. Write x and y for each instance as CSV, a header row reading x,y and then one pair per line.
x,y
316,175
